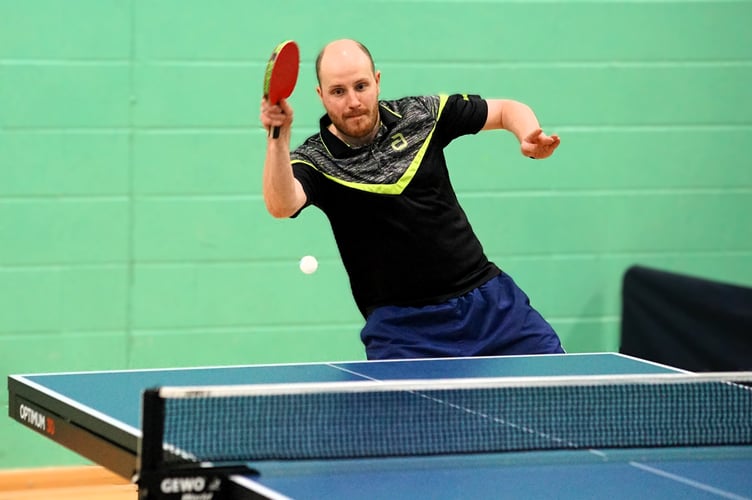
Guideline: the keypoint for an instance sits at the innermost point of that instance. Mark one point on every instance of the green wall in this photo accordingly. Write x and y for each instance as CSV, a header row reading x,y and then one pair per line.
x,y
132,228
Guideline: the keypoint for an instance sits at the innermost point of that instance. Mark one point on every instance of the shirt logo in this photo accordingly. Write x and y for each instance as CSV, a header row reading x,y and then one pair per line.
x,y
399,143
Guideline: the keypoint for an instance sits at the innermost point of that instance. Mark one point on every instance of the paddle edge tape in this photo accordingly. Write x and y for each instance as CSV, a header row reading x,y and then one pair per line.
x,y
291,51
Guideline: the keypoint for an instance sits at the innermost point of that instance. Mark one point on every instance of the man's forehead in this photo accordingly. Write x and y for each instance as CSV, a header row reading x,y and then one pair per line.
x,y
345,71
346,78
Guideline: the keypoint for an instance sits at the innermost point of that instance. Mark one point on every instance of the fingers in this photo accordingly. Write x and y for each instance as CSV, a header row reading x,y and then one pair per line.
x,y
534,135
275,115
538,145
538,137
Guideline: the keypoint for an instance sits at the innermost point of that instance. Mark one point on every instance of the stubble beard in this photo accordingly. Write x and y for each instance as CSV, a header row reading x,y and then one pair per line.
x,y
359,129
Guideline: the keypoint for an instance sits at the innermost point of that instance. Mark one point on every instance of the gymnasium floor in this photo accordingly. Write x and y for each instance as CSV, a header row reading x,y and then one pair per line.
x,y
65,483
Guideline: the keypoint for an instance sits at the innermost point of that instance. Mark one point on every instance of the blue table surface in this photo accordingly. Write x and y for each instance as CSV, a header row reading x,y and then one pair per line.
x,y
681,473
95,389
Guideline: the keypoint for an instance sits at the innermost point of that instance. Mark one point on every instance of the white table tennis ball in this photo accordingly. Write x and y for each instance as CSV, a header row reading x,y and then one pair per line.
x,y
309,264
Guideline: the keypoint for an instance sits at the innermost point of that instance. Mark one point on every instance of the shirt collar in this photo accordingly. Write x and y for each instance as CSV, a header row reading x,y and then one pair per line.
x,y
341,150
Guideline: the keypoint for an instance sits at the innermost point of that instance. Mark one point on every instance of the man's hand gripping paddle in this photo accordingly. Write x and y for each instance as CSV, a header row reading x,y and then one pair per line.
x,y
281,74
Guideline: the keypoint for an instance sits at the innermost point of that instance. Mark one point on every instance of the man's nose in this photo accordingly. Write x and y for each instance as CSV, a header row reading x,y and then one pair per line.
x,y
352,100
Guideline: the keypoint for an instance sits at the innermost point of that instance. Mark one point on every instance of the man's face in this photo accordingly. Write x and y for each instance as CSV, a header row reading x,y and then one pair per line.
x,y
349,91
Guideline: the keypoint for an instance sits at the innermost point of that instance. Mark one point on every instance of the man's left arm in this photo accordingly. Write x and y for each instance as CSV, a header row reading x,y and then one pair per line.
x,y
518,118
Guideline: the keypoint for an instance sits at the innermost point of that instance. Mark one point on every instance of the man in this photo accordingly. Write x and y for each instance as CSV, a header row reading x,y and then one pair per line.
x,y
417,271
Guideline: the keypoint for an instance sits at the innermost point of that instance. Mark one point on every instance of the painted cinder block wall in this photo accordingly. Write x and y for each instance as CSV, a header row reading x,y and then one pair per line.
x,y
132,229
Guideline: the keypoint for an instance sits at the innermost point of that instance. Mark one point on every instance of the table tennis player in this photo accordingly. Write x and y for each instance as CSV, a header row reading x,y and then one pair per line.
x,y
418,272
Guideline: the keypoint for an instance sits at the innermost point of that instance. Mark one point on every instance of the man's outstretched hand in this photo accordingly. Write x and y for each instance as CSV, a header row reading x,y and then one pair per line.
x,y
538,145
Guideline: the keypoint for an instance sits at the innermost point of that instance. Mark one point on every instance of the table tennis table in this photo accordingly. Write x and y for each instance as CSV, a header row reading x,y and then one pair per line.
x,y
97,415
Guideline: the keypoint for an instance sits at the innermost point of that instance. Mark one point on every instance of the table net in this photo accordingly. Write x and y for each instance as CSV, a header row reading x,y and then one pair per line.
x,y
400,418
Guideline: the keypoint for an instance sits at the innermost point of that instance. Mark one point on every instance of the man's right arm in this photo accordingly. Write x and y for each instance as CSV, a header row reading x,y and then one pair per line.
x,y
283,193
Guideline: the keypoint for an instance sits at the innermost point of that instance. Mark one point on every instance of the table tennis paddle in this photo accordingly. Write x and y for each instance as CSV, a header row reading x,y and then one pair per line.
x,y
281,74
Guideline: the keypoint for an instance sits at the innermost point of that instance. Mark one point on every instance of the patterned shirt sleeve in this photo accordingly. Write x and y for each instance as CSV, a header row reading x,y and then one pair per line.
x,y
463,114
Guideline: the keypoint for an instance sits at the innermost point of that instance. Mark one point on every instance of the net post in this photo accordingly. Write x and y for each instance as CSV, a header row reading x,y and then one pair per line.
x,y
160,479
151,448
152,428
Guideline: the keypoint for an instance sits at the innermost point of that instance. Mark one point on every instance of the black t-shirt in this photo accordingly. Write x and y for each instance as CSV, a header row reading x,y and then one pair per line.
x,y
402,235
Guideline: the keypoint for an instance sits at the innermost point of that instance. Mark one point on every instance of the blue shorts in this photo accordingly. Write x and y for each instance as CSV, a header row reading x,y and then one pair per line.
x,y
495,319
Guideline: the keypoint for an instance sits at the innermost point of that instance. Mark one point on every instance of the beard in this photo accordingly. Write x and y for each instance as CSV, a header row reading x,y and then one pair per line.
x,y
357,126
